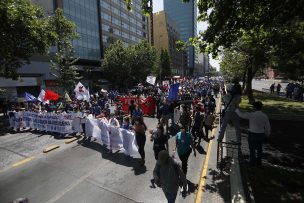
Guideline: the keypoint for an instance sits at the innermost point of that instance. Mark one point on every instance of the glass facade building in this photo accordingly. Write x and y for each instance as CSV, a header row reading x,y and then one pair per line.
x,y
185,16
118,22
84,13
101,22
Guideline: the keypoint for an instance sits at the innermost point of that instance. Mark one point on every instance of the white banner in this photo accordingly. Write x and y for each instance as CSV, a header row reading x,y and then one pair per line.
x,y
66,123
129,142
115,138
50,122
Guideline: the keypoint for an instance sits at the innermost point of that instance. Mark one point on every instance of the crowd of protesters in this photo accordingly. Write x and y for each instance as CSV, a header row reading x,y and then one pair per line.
x,y
189,117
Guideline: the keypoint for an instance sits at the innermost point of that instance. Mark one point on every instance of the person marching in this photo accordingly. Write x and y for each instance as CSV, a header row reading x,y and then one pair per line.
x,y
184,147
197,128
159,139
168,175
208,122
140,135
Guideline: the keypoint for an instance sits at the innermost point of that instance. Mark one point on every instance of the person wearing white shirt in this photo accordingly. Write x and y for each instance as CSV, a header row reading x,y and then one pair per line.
x,y
259,127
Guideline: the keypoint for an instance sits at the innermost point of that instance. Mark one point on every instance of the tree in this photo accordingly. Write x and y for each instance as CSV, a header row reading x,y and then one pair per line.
x,y
233,64
114,64
125,66
165,64
257,29
64,60
23,32
142,60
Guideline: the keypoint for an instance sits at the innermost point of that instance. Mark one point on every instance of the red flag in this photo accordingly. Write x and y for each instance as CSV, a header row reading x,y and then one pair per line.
x,y
50,95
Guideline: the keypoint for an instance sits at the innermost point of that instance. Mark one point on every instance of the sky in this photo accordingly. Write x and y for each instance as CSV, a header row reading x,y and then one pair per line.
x,y
158,5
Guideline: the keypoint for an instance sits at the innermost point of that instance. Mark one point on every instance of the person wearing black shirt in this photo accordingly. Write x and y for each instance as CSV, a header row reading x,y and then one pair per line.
x,y
160,140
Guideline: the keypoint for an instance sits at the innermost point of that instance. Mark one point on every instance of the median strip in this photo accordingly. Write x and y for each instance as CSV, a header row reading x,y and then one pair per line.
x,y
68,141
50,148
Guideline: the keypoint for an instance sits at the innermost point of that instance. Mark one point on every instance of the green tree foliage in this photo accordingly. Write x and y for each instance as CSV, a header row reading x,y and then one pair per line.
x,y
165,64
63,64
128,65
115,64
233,64
142,58
23,32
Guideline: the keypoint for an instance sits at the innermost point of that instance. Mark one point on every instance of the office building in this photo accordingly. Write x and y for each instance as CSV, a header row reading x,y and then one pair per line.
x,y
202,67
185,16
117,22
98,23
166,33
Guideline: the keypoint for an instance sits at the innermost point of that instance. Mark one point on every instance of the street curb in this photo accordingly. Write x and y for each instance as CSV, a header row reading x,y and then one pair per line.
x,y
68,141
50,148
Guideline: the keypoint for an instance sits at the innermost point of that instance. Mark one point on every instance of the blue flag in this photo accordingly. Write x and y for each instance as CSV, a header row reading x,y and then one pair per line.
x,y
29,98
173,92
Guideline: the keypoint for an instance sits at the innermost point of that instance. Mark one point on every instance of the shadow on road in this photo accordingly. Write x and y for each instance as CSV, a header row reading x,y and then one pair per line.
x,y
219,184
117,157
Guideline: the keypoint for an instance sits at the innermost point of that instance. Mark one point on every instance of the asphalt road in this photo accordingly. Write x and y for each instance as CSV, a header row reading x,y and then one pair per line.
x,y
261,85
81,173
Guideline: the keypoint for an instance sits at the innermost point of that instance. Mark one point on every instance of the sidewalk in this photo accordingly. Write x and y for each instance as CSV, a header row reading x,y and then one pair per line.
x,y
223,186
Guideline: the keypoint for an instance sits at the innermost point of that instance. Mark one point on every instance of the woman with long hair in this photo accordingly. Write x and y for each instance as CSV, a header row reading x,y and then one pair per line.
x,y
140,135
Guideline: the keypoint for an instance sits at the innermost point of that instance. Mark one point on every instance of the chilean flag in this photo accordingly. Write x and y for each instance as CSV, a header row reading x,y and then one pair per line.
x,y
47,95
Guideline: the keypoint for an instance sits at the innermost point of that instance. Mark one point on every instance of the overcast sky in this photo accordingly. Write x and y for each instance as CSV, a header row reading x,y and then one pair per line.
x,y
158,5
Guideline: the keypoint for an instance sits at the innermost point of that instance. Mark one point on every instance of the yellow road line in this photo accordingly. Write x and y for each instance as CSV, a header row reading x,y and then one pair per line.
x,y
19,163
202,182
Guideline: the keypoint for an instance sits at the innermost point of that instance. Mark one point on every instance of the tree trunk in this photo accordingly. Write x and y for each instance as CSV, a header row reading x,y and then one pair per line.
x,y
249,85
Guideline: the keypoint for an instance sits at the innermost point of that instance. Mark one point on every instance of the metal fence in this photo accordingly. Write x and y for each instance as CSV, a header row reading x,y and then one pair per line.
x,y
226,153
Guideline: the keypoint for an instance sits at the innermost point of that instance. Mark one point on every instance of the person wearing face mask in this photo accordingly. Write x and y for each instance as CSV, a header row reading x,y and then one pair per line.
x,y
184,147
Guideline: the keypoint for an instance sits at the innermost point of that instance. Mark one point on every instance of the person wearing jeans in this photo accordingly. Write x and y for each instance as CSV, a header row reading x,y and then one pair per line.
x,y
232,101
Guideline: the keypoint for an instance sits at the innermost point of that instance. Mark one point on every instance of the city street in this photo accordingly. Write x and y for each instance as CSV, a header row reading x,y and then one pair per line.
x,y
81,173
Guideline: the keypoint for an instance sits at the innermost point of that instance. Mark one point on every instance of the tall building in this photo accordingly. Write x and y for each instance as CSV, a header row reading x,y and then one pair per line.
x,y
98,23
117,22
203,64
185,16
166,33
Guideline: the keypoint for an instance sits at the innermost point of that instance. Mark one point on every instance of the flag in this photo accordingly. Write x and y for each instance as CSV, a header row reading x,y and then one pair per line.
x,y
151,80
50,95
81,92
173,92
29,97
41,95
67,98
